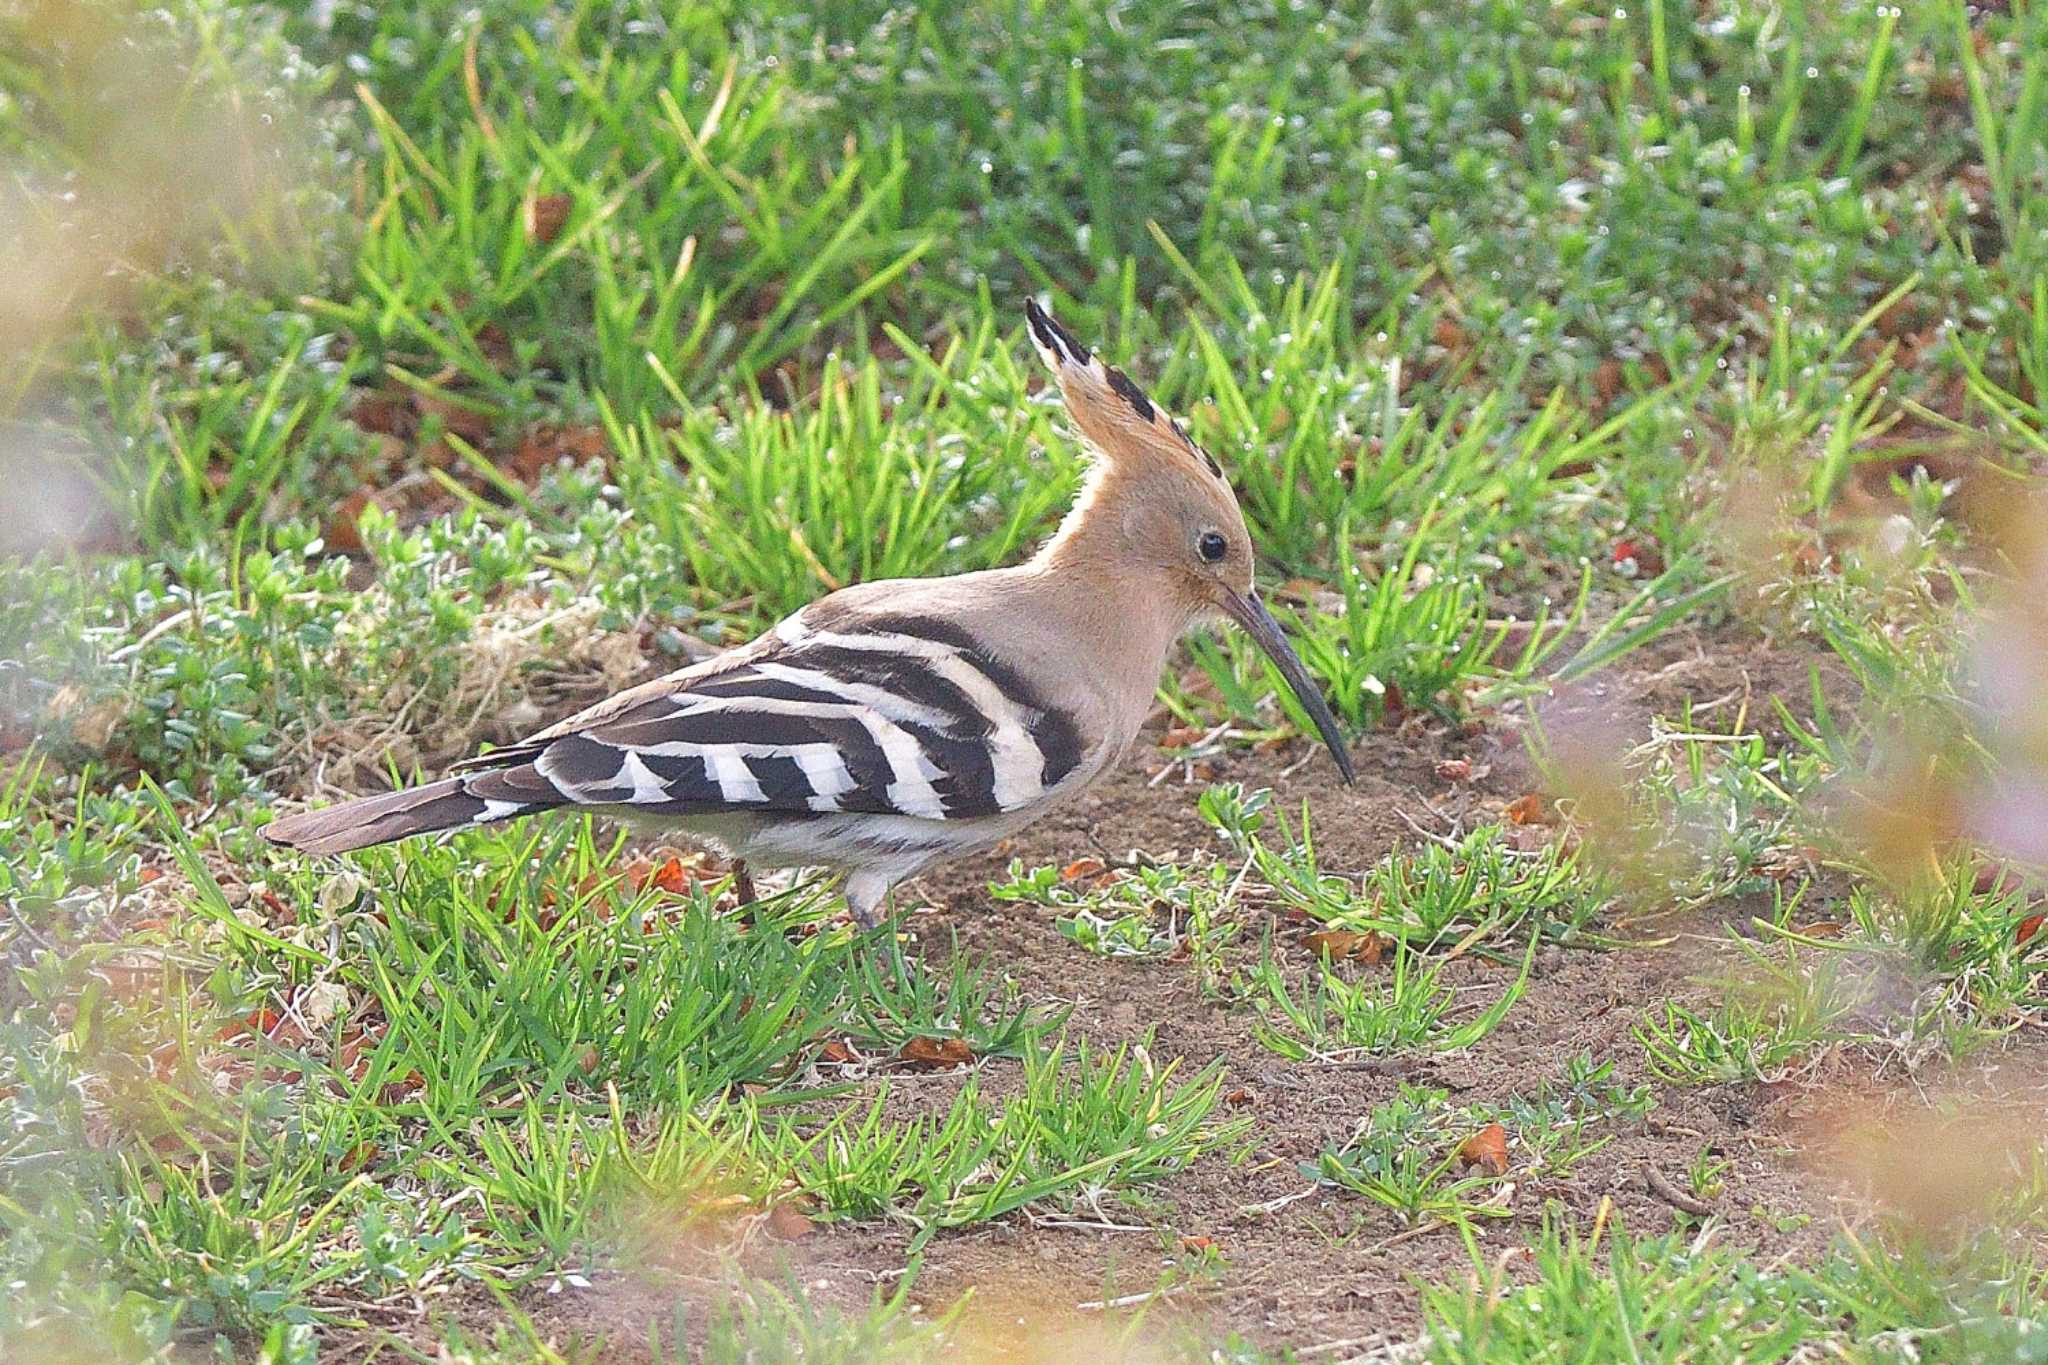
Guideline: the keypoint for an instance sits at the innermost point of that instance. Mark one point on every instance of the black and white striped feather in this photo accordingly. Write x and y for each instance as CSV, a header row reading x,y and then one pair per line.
x,y
829,715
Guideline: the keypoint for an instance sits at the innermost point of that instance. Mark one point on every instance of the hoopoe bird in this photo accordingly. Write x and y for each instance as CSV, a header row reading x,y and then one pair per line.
x,y
895,725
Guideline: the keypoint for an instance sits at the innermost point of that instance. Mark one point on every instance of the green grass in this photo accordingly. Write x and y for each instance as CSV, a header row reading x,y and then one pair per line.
x,y
1408,1154
424,371
1677,1299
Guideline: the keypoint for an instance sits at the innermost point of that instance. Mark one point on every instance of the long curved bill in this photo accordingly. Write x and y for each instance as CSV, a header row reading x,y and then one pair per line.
x,y
1249,612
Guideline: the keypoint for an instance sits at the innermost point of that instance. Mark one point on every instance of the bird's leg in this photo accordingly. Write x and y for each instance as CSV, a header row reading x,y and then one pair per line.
x,y
743,882
896,962
864,892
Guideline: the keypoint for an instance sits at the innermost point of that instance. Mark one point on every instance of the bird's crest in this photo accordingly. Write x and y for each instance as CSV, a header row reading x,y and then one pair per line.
x,y
1114,415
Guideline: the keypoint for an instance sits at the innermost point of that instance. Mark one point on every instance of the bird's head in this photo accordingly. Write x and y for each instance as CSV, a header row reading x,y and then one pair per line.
x,y
1162,505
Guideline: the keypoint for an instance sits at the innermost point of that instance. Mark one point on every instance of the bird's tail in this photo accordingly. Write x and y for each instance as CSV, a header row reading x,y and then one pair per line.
x,y
451,803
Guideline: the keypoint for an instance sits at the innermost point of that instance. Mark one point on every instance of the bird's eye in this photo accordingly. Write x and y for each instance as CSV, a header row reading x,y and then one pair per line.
x,y
1212,546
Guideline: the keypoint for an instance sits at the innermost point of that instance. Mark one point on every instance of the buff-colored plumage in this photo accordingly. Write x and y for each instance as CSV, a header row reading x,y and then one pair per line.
x,y
894,725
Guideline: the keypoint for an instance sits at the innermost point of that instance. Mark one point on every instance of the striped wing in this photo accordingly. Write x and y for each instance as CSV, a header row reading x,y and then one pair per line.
x,y
899,717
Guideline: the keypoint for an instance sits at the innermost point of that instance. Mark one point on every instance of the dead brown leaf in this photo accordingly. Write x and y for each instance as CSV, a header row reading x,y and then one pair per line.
x,y
669,875
341,532
937,1053
404,1088
545,215
542,447
788,1223
456,417
1486,1149
1367,947
384,412
1607,380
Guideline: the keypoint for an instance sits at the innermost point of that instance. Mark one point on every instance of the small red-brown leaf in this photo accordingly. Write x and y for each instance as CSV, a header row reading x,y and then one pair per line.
x,y
1198,1245
1994,879
1082,868
787,1223
404,1088
259,1022
1367,947
937,1052
1486,1149
1181,736
1607,380
1454,770
545,215
1240,1098
456,416
544,446
359,1156
1530,809
2029,927
1637,558
670,876
341,532
384,412
836,1051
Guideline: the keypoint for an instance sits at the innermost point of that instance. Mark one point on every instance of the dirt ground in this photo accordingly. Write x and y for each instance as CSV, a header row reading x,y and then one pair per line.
x,y
1313,1267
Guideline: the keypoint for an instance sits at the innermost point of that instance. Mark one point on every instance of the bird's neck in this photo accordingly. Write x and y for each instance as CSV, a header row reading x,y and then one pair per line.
x,y
1116,614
